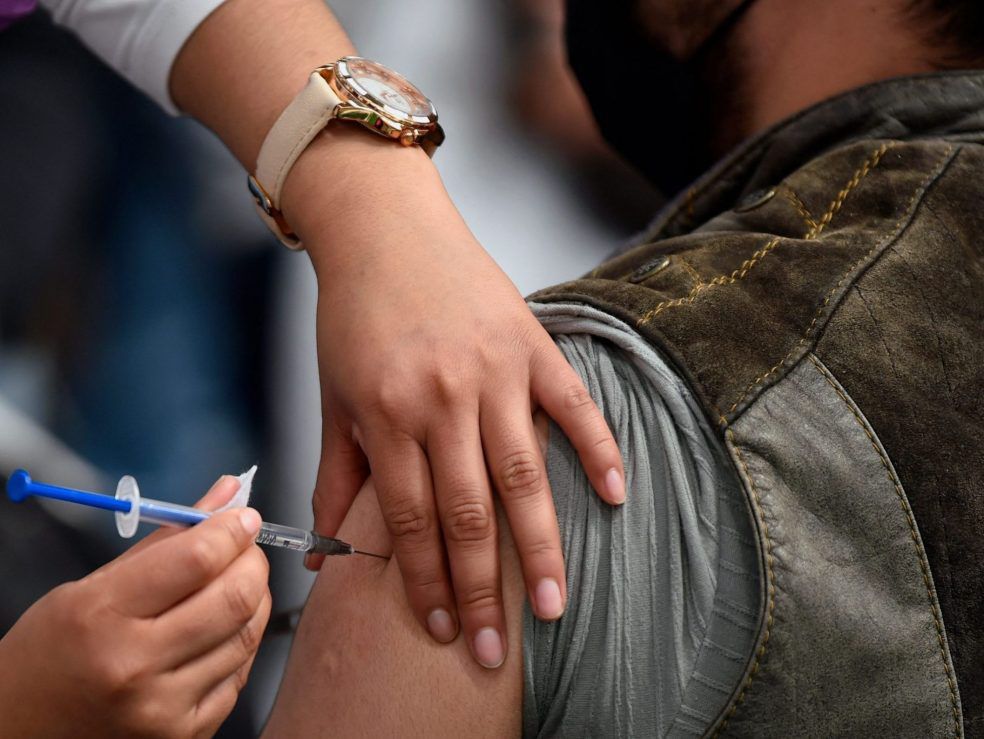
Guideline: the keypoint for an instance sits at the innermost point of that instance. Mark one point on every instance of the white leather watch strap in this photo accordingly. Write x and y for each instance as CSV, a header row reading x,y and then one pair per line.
x,y
300,122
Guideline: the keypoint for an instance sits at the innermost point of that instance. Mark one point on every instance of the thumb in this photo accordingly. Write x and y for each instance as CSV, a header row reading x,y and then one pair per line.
x,y
224,489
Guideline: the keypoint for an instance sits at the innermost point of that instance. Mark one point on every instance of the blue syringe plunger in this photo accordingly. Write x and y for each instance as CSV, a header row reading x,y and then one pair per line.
x,y
17,486
21,486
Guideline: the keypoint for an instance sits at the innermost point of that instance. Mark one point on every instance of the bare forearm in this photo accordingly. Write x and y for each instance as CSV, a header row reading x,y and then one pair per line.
x,y
247,60
241,68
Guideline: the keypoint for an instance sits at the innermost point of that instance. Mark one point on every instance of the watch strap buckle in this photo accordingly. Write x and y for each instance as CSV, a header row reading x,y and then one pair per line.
x,y
271,215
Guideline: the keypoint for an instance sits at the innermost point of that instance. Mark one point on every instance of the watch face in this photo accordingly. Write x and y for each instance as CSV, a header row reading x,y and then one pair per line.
x,y
383,87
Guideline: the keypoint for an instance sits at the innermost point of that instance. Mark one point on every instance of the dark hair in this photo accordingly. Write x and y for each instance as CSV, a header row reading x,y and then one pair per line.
x,y
957,26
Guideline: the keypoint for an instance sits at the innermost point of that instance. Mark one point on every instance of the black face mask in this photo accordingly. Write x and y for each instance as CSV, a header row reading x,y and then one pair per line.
x,y
651,107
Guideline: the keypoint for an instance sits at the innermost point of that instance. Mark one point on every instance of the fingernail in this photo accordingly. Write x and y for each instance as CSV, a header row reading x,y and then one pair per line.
x,y
250,520
549,604
488,648
615,486
440,625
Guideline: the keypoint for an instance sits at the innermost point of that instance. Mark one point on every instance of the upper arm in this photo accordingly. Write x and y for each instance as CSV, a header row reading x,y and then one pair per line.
x,y
361,665
647,628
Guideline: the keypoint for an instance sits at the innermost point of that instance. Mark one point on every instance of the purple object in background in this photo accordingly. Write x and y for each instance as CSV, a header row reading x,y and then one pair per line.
x,y
14,10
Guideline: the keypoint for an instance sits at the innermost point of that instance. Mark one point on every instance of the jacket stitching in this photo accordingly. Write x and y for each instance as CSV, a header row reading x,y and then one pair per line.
x,y
691,271
801,208
771,590
814,232
906,213
755,147
697,289
913,532
869,164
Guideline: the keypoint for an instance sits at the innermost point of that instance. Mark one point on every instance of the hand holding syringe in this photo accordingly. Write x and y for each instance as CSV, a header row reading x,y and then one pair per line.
x,y
131,509
159,641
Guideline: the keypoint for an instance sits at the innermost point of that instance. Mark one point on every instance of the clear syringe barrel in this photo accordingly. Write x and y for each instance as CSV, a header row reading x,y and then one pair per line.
x,y
170,514
286,537
271,534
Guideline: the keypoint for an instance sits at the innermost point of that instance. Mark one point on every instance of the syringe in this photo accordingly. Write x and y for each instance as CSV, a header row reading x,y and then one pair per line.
x,y
131,509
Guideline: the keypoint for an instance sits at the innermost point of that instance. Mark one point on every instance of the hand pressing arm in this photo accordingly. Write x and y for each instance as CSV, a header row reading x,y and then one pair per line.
x,y
431,364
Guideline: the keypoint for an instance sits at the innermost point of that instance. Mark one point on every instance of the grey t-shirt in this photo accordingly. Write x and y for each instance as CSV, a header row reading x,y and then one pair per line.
x,y
664,596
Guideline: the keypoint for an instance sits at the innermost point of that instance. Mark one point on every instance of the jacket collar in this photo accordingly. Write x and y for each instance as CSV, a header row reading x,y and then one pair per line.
x,y
946,105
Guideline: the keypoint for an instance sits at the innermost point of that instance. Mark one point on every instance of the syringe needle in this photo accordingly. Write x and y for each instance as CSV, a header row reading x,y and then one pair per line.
x,y
370,554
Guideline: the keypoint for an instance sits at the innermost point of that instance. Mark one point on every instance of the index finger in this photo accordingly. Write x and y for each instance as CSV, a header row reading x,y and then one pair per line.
x,y
168,571
563,396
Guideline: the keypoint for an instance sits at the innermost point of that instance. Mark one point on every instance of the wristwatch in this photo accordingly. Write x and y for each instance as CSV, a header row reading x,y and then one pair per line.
x,y
352,89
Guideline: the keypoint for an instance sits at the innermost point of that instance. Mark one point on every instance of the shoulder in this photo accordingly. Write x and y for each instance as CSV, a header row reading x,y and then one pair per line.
x,y
741,299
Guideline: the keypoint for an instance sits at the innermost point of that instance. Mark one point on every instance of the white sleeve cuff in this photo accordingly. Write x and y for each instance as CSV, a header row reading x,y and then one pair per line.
x,y
140,39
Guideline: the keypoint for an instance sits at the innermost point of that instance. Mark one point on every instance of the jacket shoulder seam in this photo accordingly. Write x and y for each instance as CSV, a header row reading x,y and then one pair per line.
x,y
848,277
814,229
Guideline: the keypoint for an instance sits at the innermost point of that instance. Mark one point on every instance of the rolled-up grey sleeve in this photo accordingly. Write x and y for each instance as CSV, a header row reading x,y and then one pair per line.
x,y
140,39
664,595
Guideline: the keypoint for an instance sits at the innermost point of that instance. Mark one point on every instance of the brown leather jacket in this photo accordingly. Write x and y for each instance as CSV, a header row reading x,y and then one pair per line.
x,y
822,291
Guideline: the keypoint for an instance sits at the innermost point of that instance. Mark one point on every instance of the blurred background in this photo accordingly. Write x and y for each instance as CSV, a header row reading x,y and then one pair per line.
x,y
149,325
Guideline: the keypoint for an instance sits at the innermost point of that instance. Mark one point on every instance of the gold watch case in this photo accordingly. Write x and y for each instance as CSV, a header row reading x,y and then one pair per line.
x,y
384,102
